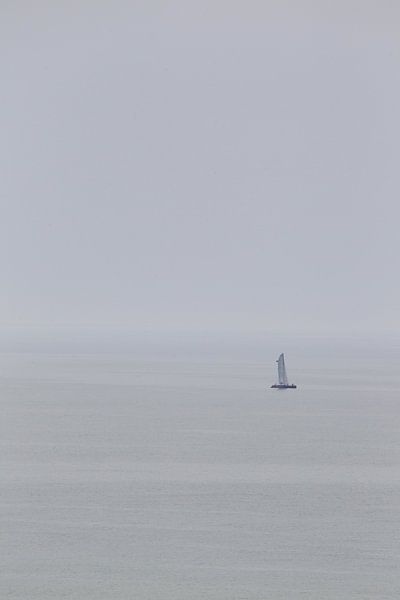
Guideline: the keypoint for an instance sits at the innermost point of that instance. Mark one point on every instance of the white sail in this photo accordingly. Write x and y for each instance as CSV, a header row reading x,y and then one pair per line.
x,y
283,380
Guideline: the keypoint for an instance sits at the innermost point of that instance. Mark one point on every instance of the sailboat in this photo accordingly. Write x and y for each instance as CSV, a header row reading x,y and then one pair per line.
x,y
282,376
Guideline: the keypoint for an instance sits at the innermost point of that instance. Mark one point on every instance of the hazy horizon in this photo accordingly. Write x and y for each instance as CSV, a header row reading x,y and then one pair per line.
x,y
187,190
214,167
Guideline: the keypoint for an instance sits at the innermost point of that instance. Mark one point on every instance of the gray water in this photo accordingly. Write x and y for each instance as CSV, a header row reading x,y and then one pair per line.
x,y
180,478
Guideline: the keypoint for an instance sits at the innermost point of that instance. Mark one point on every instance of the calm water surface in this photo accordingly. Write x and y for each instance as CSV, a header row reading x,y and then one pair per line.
x,y
167,479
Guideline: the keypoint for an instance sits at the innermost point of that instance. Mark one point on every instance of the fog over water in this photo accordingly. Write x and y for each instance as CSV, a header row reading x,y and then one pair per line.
x,y
187,190
176,478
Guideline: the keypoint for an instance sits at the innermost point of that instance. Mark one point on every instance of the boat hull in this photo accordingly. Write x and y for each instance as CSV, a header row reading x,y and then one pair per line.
x,y
279,386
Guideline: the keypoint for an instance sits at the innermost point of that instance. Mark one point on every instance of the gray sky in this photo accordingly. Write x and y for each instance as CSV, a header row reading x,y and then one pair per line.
x,y
200,165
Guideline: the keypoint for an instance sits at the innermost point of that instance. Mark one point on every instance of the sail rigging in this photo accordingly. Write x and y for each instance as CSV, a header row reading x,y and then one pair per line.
x,y
283,382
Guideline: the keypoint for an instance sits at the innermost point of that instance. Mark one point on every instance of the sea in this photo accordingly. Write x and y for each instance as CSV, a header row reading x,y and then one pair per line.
x,y
172,471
